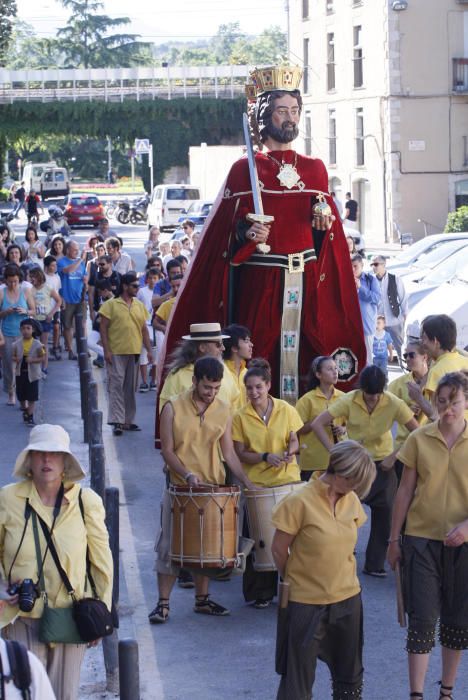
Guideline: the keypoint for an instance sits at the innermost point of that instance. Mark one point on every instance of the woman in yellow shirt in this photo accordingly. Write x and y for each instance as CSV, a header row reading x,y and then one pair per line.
x,y
265,439
313,547
322,393
433,498
49,471
370,413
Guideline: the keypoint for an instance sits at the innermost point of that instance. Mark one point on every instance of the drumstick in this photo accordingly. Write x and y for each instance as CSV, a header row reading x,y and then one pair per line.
x,y
399,594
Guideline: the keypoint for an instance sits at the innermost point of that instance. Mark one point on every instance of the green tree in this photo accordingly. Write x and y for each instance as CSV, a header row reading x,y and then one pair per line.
x,y
86,40
269,47
27,51
8,11
457,221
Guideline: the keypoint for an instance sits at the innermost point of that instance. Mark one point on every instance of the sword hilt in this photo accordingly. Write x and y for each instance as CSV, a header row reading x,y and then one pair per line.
x,y
264,219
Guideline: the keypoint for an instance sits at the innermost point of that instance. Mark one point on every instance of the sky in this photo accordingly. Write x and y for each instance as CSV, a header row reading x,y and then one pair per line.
x,y
179,20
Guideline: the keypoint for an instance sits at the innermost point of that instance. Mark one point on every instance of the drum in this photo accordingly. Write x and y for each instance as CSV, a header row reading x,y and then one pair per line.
x,y
204,526
259,507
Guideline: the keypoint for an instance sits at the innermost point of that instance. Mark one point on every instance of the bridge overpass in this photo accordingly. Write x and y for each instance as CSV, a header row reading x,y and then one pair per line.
x,y
119,84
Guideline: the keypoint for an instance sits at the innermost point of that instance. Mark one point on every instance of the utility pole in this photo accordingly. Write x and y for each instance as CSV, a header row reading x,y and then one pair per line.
x,y
288,28
109,154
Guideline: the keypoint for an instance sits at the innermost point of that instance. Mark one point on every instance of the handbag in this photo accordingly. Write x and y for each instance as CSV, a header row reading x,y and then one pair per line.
x,y
90,617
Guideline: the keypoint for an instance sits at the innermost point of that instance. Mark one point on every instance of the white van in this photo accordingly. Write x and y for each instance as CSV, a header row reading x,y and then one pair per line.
x,y
168,201
33,172
54,183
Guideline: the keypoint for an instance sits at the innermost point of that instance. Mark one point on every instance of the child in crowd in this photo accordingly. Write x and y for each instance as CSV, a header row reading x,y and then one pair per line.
x,y
53,281
145,295
48,304
28,355
382,349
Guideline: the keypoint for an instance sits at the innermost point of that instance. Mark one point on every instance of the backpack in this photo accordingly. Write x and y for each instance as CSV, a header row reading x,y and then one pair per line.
x,y
20,669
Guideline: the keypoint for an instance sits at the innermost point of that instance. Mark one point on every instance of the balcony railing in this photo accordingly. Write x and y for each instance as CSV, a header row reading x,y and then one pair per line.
x,y
460,74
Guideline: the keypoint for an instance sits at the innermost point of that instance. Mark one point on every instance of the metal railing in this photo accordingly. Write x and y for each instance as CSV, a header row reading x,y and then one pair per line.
x,y
119,84
460,74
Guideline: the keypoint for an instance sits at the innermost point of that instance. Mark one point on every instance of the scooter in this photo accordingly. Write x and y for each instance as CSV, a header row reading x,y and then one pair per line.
x,y
122,213
138,211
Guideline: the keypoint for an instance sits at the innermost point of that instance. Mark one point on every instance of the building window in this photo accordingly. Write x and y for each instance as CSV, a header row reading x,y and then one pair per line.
x,y
357,56
330,61
329,5
308,134
331,137
359,136
305,9
306,65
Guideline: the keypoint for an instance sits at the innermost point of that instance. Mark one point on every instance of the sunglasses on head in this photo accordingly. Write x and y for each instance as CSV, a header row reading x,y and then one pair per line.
x,y
411,355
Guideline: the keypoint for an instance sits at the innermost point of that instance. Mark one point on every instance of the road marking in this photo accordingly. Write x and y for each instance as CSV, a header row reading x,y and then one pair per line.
x,y
150,676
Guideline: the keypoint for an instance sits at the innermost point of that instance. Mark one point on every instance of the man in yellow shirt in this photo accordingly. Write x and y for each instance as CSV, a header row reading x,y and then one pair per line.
x,y
439,340
123,331
161,316
195,431
238,349
204,340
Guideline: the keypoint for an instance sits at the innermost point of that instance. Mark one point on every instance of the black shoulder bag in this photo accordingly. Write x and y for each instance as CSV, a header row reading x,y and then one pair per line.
x,y
92,618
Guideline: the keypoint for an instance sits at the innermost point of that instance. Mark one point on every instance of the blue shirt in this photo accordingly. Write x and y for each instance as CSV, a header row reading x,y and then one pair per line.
x,y
380,346
162,287
72,282
369,297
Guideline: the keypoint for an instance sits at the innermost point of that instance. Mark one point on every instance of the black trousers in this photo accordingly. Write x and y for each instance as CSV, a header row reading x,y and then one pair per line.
x,y
332,633
380,500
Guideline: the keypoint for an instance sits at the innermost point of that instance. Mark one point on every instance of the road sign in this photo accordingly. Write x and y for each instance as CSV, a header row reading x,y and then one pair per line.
x,y
142,146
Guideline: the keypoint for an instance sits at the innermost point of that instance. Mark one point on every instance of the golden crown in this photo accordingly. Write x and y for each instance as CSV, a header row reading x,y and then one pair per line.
x,y
273,78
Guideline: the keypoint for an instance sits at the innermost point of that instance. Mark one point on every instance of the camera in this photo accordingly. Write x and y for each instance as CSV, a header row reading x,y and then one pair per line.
x,y
27,594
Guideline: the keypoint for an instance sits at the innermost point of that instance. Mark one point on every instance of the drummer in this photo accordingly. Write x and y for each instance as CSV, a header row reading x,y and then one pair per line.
x,y
321,393
195,428
313,547
265,439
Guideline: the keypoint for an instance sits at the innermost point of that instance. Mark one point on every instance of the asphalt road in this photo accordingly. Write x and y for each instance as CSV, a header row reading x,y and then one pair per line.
x,y
194,656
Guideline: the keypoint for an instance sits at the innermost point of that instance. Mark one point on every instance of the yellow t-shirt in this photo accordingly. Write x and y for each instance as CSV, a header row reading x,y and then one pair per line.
x,y
313,455
451,361
181,380
239,380
257,436
321,567
196,438
441,498
27,344
399,387
126,325
164,311
372,430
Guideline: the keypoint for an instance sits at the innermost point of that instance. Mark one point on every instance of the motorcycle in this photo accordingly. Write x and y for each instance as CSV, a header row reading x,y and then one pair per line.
x,y
122,213
138,211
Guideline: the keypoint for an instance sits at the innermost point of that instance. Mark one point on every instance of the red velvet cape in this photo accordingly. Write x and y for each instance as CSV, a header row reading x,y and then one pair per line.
x,y
215,290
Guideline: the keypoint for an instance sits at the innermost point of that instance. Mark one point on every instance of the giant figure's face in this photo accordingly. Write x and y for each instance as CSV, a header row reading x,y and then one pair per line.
x,y
282,122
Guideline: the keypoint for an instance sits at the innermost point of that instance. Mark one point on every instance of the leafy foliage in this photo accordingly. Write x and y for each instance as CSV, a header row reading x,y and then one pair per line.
x,y
86,42
8,11
171,125
457,221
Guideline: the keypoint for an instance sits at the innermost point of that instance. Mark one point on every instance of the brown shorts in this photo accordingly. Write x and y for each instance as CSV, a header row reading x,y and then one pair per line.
x,y
70,311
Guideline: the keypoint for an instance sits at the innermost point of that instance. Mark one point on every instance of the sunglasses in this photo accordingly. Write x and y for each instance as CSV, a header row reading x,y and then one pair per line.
x,y
103,264
135,285
411,355
218,343
376,264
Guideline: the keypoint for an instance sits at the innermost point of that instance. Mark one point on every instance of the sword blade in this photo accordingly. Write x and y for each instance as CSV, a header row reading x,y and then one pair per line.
x,y
256,192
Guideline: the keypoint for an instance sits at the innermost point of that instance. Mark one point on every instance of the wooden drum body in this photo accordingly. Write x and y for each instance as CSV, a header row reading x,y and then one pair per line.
x,y
259,508
204,524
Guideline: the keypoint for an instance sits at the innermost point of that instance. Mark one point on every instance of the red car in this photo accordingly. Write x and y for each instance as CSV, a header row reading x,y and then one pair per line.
x,y
83,209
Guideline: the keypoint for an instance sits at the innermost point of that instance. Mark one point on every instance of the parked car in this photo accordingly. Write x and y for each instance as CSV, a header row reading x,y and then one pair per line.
x,y
197,212
83,210
431,260
167,203
446,272
449,298
401,262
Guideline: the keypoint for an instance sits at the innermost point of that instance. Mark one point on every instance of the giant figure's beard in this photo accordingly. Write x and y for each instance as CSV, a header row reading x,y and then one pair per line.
x,y
285,134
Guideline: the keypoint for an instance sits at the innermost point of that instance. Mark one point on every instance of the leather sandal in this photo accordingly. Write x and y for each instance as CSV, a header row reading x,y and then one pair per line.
x,y
161,612
445,696
206,606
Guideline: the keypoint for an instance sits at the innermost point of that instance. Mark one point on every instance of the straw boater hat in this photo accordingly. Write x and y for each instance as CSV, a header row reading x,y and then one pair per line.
x,y
205,331
49,438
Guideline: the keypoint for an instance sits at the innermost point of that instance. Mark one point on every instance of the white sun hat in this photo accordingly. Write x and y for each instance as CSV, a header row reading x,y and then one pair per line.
x,y
49,438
